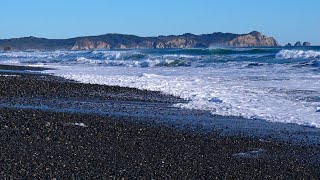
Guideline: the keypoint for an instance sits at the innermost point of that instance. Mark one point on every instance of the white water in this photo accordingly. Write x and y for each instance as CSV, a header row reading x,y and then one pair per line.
x,y
283,87
296,54
264,92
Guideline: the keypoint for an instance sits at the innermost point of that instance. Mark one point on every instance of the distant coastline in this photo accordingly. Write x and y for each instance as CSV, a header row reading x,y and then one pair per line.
x,y
122,41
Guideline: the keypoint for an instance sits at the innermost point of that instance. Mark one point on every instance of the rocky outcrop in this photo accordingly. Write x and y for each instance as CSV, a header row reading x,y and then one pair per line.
x,y
7,48
288,45
306,44
121,41
180,42
159,45
121,46
87,44
253,39
297,44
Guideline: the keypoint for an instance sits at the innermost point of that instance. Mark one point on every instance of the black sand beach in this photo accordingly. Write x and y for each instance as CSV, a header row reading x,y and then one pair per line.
x,y
41,142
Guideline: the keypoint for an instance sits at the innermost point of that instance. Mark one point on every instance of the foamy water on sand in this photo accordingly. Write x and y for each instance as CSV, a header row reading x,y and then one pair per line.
x,y
277,85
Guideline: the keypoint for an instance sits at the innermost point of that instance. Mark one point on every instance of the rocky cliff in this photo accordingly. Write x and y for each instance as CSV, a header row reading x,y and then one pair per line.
x,y
253,39
87,44
121,41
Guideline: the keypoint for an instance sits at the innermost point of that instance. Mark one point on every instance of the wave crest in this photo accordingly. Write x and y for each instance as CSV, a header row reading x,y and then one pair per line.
x,y
137,63
117,55
220,51
297,54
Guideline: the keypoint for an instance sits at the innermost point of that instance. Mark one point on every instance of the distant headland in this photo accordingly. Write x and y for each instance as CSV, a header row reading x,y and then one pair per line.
x,y
123,41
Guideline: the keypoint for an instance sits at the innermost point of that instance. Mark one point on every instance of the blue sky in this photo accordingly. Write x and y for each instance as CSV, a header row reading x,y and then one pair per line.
x,y
287,21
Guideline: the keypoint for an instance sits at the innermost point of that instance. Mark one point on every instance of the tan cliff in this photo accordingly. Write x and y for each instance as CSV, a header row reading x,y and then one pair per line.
x,y
253,39
87,44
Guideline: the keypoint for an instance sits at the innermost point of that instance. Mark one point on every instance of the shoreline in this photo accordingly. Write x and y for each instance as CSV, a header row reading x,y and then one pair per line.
x,y
40,143
62,95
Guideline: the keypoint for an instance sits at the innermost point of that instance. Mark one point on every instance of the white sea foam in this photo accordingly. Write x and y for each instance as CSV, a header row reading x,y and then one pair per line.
x,y
8,75
297,54
264,92
115,55
11,61
250,154
76,124
33,54
181,56
131,63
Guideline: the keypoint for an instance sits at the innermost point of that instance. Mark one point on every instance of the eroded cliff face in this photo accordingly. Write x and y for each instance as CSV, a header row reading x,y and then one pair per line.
x,y
87,44
120,41
253,39
179,43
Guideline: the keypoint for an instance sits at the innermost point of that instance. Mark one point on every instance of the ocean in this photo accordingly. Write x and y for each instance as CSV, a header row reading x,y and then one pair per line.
x,y
272,84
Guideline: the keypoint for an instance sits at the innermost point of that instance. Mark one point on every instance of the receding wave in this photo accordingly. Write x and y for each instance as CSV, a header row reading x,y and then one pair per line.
x,y
297,54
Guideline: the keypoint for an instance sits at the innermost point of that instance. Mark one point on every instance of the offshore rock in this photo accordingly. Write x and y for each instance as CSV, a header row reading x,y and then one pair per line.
x,y
298,44
306,44
288,45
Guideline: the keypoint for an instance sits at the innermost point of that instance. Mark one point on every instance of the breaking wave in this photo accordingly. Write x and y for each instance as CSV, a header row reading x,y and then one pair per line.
x,y
297,54
219,51
167,57
38,54
137,63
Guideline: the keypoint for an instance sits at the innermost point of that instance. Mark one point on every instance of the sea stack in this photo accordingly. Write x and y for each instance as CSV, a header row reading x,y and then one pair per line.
x,y
288,45
298,44
306,44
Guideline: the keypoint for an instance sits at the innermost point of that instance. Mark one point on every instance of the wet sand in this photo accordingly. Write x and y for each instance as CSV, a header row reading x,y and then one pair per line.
x,y
44,143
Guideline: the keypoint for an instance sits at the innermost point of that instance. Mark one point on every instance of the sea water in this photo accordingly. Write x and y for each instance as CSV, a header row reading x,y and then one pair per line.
x,y
272,84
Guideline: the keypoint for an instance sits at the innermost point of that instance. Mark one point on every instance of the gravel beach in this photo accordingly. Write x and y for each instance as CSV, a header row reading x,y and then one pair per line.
x,y
39,142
